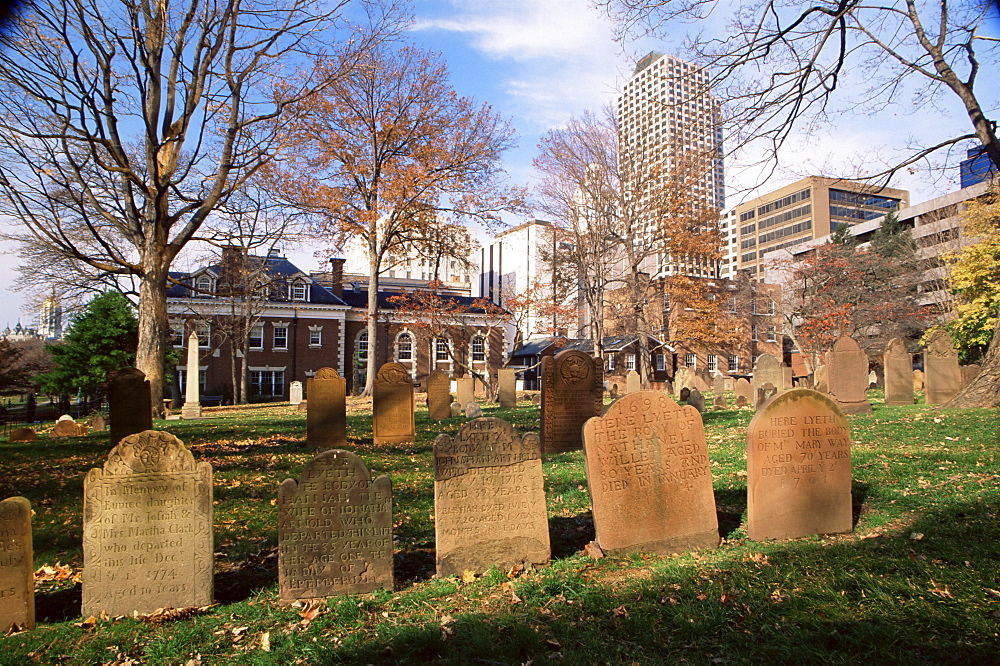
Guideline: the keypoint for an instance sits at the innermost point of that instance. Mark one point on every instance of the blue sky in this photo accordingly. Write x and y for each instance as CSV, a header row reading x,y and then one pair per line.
x,y
539,62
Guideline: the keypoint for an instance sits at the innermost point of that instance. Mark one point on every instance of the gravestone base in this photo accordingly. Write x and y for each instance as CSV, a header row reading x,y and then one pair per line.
x,y
189,411
863,407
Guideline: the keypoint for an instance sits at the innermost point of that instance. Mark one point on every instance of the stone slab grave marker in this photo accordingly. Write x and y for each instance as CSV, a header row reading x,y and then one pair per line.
x,y
847,376
918,380
334,529
473,410
456,409
719,386
649,477
798,467
572,392
66,428
682,379
764,393
632,382
326,409
969,372
507,387
489,499
766,369
786,377
819,379
898,373
17,583
465,390
942,376
741,401
392,405
685,394
191,409
23,435
742,388
97,423
696,400
129,408
147,528
295,393
438,395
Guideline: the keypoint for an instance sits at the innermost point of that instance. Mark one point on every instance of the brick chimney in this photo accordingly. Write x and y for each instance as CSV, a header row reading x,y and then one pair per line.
x,y
337,276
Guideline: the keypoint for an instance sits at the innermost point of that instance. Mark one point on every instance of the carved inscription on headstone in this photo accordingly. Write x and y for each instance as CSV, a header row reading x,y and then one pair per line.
x,y
392,405
507,387
147,528
326,409
334,529
438,395
898,373
129,408
572,392
489,500
943,377
17,585
649,477
847,376
798,467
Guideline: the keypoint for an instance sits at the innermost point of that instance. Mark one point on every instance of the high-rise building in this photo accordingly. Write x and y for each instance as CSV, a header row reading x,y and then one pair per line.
x,y
668,116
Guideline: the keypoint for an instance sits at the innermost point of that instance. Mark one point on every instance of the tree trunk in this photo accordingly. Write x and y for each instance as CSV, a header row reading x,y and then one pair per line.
x,y
984,390
149,356
373,287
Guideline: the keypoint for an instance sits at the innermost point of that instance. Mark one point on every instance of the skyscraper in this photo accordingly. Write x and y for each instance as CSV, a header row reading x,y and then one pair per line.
x,y
668,116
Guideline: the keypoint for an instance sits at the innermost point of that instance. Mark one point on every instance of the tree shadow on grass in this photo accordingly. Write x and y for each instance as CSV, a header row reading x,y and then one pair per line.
x,y
58,605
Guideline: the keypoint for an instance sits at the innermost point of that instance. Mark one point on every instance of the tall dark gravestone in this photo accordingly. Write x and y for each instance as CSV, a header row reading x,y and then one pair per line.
x,y
147,528
898,373
17,583
129,407
649,477
326,409
572,392
438,395
798,467
334,529
489,499
392,405
847,376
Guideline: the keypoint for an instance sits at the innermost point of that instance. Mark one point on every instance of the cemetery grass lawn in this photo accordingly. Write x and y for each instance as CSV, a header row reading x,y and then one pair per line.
x,y
918,580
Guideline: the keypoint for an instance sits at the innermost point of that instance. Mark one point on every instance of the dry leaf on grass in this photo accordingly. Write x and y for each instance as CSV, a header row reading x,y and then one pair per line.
x,y
468,576
55,571
940,590
265,641
161,615
509,587
447,631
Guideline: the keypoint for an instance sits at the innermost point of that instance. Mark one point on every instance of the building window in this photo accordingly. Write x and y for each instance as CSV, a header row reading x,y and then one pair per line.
x,y
361,347
691,361
280,337
753,332
299,291
611,363
256,337
659,362
267,383
204,332
734,363
177,333
404,347
478,348
204,287
440,349
182,380
772,335
315,336
713,363
770,306
731,304
630,361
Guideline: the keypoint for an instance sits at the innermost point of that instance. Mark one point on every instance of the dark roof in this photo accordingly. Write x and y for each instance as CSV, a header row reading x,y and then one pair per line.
x,y
621,342
358,298
277,268
539,345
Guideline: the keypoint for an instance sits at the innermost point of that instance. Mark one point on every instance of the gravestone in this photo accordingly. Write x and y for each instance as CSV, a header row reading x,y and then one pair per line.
x,y
742,389
97,423
682,379
786,377
17,583
764,393
847,376
392,405
613,392
718,386
685,394
507,387
473,410
767,369
649,477
66,428
23,435
696,400
438,395
334,529
969,372
898,373
819,379
64,417
698,382
191,409
572,392
465,390
129,407
632,382
798,467
295,393
720,401
918,380
326,410
489,499
741,401
536,398
943,378
147,528
303,407
872,380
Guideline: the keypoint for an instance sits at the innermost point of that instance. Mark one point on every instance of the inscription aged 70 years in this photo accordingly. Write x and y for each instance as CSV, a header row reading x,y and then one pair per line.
x,y
147,528
334,529
649,477
489,499
798,468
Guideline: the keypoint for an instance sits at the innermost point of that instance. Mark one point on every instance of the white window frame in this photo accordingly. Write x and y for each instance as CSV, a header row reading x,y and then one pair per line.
x,y
204,332
177,333
361,346
479,337
278,326
294,288
660,362
315,336
713,363
400,358
438,342
630,361
734,363
250,338
691,360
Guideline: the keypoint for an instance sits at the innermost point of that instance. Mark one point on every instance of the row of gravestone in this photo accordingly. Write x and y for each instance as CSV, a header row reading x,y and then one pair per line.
x,y
147,513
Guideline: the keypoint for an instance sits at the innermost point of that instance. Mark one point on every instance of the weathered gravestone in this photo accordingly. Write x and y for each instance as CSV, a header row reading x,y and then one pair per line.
x,y
303,408
572,392
191,409
898,373
473,410
696,400
685,394
742,389
17,584
649,477
147,528
23,435
456,409
741,401
718,385
969,372
786,377
918,380
720,401
507,387
698,382
334,529
129,407
872,379
847,376
767,370
465,390
764,393
97,423
632,382
798,467
65,428
438,395
819,379
943,378
326,409
295,393
682,379
392,405
489,499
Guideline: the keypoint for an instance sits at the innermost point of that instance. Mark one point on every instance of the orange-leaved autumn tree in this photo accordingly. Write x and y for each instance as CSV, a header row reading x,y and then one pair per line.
x,y
387,151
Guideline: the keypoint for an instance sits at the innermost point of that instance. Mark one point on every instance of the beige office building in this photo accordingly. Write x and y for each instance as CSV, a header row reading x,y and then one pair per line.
x,y
806,209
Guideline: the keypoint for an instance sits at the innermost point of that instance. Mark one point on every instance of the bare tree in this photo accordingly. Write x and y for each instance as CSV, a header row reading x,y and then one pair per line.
x,y
125,125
